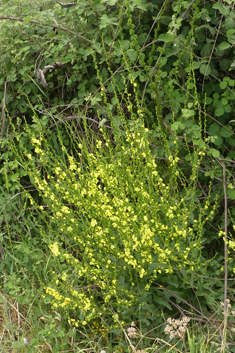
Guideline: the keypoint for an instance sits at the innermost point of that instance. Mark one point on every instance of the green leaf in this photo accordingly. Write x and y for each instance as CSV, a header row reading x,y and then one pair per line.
x,y
222,9
231,194
217,140
230,32
27,19
224,45
224,101
166,38
223,85
132,54
225,64
162,302
213,128
177,125
219,111
105,21
163,61
153,266
205,70
215,153
196,65
226,133
125,44
140,4
114,100
188,113
208,100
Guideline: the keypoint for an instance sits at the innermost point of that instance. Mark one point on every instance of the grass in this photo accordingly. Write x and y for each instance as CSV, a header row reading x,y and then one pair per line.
x,y
21,331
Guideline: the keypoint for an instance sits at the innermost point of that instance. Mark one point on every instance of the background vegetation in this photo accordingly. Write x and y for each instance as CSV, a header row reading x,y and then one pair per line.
x,y
117,176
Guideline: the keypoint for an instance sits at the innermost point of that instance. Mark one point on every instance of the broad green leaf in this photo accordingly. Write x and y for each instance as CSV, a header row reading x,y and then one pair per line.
x,y
196,65
209,100
163,61
105,21
140,4
225,64
222,9
205,69
114,100
219,111
166,38
224,45
225,132
125,44
132,54
27,19
228,108
217,140
188,113
224,101
223,85
177,125
231,193
213,128
230,32
215,153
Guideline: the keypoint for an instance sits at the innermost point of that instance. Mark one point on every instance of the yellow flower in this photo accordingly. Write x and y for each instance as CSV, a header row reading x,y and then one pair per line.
x,y
54,249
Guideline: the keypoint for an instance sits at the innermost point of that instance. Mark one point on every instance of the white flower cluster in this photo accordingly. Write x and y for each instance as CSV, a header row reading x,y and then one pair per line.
x,y
131,331
177,328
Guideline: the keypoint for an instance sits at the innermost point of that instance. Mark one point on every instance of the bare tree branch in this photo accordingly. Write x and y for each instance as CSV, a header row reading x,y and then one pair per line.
x,y
41,23
66,5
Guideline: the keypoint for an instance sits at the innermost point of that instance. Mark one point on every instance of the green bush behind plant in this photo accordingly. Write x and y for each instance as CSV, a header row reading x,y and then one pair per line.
x,y
113,147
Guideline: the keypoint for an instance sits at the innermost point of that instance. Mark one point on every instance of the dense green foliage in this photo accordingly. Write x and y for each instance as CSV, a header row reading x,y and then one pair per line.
x,y
117,144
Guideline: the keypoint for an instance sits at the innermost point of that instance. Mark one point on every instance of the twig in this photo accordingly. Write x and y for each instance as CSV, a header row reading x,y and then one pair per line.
x,y
4,111
41,23
185,12
225,255
215,42
66,6
184,301
41,73
152,72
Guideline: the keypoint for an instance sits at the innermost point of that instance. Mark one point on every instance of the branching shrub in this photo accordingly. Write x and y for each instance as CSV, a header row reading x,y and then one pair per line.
x,y
113,215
